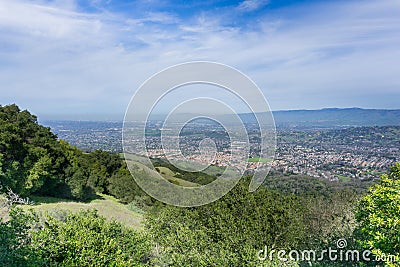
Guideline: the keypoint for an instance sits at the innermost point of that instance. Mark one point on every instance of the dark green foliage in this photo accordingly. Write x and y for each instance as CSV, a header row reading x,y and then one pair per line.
x,y
33,161
30,154
101,165
88,173
123,186
328,218
301,184
82,239
328,213
230,231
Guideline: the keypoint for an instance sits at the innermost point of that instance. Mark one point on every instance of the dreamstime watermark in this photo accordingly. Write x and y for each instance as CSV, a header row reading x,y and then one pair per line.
x,y
340,253
135,138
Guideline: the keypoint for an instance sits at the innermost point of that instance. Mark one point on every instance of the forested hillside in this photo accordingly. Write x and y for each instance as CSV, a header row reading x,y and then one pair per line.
x,y
34,161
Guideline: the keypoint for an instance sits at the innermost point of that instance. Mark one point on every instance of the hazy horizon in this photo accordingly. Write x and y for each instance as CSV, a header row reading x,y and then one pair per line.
x,y
120,118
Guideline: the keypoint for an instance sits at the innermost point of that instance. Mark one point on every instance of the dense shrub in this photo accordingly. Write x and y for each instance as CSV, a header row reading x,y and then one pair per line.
x,y
15,240
379,216
230,231
81,239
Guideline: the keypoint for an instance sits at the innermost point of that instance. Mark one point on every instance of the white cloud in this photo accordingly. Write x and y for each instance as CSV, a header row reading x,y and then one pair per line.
x,y
155,17
251,5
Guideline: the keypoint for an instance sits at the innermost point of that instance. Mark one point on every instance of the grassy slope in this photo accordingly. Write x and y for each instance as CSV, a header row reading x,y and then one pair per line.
x,y
165,172
170,176
135,158
107,206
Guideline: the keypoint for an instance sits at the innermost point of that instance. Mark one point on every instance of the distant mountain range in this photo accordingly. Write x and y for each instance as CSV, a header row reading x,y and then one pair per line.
x,y
321,118
333,117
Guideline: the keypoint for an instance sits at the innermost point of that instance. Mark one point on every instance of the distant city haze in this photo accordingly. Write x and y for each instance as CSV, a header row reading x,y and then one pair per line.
x,y
329,116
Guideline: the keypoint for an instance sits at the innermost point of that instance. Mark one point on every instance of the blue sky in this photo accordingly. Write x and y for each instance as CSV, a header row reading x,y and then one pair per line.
x,y
75,59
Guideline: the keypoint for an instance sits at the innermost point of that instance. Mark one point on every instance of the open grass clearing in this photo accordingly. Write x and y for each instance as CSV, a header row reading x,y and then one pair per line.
x,y
107,206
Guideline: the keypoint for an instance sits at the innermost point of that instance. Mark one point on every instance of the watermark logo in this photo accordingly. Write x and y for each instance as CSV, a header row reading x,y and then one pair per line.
x,y
340,253
138,122
341,243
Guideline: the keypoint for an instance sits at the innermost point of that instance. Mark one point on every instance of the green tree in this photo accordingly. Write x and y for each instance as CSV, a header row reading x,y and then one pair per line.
x,y
102,166
379,215
31,155
123,186
33,161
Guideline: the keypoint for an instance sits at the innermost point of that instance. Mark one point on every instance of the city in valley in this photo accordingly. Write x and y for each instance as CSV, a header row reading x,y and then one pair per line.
x,y
335,153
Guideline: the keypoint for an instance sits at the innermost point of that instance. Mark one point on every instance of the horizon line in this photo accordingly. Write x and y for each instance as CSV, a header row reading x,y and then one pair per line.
x,y
164,114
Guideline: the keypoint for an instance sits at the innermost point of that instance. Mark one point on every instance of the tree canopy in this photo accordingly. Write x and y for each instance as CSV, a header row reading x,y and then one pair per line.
x,y
379,216
34,161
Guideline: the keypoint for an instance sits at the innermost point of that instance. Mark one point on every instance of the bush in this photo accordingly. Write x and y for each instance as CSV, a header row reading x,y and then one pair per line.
x,y
81,239
15,240
379,216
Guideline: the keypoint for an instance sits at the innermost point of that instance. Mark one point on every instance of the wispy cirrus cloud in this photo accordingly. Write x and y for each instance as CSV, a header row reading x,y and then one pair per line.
x,y
156,17
250,5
